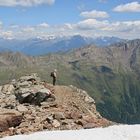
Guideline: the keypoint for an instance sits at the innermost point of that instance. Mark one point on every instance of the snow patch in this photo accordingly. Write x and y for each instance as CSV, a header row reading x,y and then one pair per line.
x,y
118,132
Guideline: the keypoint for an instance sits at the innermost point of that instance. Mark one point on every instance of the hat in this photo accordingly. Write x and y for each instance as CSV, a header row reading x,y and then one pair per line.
x,y
55,70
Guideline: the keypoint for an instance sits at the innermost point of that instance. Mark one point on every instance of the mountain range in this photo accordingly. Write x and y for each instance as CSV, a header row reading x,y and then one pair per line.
x,y
111,75
41,46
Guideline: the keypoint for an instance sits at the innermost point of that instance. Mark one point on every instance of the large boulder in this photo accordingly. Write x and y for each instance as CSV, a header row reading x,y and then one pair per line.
x,y
9,118
33,95
30,89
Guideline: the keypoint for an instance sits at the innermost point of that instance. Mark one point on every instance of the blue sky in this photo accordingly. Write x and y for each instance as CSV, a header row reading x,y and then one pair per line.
x,y
42,18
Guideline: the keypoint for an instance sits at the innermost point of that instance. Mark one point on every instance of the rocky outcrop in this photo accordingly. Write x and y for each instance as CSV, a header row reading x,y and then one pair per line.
x,y
41,106
29,89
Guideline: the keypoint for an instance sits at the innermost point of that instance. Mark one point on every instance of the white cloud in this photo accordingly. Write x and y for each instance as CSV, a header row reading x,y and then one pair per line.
x,y
14,26
87,27
28,29
67,26
7,34
94,14
26,32
89,24
25,3
43,25
125,26
124,29
129,7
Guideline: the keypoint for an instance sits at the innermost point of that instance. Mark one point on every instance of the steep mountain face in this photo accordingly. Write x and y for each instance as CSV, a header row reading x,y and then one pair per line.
x,y
13,64
11,59
110,75
38,46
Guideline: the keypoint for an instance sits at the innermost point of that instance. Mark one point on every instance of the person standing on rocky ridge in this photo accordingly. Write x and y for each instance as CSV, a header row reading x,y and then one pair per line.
x,y
54,76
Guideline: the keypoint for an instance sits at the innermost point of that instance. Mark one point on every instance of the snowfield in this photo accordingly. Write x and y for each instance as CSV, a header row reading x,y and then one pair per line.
x,y
120,132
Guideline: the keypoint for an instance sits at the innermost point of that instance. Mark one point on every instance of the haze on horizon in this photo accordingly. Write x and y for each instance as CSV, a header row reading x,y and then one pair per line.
x,y
22,19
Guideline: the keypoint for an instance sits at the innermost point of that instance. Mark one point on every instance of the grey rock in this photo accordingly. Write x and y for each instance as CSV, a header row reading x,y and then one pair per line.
x,y
24,84
89,125
59,116
31,77
49,119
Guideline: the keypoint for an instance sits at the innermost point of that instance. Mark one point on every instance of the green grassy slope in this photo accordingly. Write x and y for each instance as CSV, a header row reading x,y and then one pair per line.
x,y
117,95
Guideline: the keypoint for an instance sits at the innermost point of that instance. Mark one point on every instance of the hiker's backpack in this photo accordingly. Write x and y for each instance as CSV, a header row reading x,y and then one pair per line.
x,y
52,74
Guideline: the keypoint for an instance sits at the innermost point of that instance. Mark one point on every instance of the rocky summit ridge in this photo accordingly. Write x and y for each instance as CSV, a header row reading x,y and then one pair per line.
x,y
29,105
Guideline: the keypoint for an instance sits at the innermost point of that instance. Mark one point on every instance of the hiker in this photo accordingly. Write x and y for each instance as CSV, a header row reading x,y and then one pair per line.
x,y
54,75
